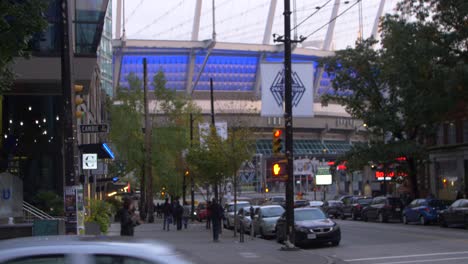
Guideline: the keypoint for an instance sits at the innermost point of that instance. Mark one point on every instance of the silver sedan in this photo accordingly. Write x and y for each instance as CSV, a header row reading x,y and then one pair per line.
x,y
83,249
265,219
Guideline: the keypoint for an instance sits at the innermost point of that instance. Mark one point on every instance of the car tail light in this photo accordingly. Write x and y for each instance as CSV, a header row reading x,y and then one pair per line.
x,y
427,209
359,207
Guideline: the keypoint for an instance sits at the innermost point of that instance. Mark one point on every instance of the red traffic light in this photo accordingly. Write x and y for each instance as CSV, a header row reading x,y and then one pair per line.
x,y
277,133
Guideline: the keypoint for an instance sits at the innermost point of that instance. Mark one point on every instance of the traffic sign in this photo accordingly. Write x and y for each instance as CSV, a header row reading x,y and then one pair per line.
x,y
89,161
97,128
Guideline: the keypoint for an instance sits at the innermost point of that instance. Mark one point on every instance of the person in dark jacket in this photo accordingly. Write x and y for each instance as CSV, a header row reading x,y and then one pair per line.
x,y
128,218
167,214
216,215
178,212
208,215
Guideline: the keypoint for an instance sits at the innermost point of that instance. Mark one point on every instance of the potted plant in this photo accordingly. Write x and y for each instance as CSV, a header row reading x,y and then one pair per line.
x,y
97,220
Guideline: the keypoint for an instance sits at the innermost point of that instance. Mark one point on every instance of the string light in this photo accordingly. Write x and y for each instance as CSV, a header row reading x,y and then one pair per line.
x,y
44,120
11,121
37,121
21,123
30,108
57,118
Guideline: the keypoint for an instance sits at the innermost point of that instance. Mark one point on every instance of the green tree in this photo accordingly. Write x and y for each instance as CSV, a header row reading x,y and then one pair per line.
x,y
19,21
169,119
218,159
404,89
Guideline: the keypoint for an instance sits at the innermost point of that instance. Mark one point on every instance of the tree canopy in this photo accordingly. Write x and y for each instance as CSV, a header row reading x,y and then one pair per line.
x,y
19,21
406,87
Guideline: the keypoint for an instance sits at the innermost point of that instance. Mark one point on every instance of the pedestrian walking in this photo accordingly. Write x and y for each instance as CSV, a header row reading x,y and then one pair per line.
x,y
208,215
128,218
167,214
186,215
178,212
252,227
216,215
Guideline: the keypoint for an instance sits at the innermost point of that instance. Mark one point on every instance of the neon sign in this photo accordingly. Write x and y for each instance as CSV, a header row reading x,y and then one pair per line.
x,y
379,175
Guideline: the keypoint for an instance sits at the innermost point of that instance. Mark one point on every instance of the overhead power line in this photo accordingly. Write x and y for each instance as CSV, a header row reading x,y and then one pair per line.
x,y
157,19
134,11
311,15
333,19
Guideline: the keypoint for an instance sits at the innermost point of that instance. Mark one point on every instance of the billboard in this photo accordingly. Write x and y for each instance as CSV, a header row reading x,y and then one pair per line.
x,y
323,176
272,76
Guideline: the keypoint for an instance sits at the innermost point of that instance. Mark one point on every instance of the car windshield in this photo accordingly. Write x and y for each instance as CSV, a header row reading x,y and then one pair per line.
x,y
436,203
277,199
231,206
311,214
272,211
364,201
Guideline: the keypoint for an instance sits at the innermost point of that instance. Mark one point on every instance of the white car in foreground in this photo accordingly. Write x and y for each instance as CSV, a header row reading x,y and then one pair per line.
x,y
86,249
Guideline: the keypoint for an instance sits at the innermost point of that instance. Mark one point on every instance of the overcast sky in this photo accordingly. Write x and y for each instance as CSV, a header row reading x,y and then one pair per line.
x,y
244,20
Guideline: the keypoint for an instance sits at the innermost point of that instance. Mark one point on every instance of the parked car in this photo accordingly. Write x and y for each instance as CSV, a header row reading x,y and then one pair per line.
x,y
78,249
265,219
229,213
455,215
201,212
315,203
301,203
383,209
244,218
333,208
279,200
424,211
353,205
311,226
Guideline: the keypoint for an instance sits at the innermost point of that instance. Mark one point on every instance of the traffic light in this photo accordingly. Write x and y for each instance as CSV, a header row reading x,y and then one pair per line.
x,y
278,168
79,100
277,140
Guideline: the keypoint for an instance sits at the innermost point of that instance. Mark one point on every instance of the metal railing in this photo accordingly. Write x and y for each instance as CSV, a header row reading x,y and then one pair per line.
x,y
30,213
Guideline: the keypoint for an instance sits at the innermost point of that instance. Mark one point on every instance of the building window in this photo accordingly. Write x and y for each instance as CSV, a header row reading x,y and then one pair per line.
x,y
440,135
451,133
465,131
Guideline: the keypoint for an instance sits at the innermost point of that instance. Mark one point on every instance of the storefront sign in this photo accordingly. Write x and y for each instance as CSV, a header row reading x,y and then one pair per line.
x,y
379,175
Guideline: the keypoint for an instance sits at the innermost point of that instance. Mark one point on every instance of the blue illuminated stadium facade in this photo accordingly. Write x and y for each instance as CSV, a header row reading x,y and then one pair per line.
x,y
235,70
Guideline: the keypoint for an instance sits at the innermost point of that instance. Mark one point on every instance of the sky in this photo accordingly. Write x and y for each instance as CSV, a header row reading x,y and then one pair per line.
x,y
243,21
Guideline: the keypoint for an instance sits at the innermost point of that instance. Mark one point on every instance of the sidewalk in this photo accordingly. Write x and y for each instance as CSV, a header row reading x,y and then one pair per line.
x,y
197,245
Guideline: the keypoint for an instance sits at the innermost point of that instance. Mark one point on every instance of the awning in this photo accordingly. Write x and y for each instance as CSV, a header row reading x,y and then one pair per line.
x,y
101,149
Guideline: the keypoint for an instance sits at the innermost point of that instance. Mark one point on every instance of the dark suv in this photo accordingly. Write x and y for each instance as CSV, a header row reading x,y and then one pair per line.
x,y
383,209
353,206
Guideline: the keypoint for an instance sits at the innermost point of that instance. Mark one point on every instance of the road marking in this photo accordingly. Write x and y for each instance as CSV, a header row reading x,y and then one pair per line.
x,y
421,261
410,256
248,255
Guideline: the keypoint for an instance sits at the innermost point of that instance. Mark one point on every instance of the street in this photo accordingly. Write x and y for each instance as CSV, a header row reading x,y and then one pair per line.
x,y
396,243
362,243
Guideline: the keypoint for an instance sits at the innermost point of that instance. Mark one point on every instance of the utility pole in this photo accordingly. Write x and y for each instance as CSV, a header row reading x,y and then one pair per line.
x,y
213,130
68,100
148,132
288,121
192,181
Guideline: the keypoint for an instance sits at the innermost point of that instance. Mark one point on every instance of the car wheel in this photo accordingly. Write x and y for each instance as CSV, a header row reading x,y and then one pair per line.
x,y
405,220
353,216
335,243
442,222
364,217
343,217
261,233
422,220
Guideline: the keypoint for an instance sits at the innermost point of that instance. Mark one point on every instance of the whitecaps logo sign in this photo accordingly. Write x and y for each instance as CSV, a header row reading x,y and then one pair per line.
x,y
273,89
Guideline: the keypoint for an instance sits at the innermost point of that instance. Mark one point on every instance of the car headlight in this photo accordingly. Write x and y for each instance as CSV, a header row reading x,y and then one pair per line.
x,y
302,229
